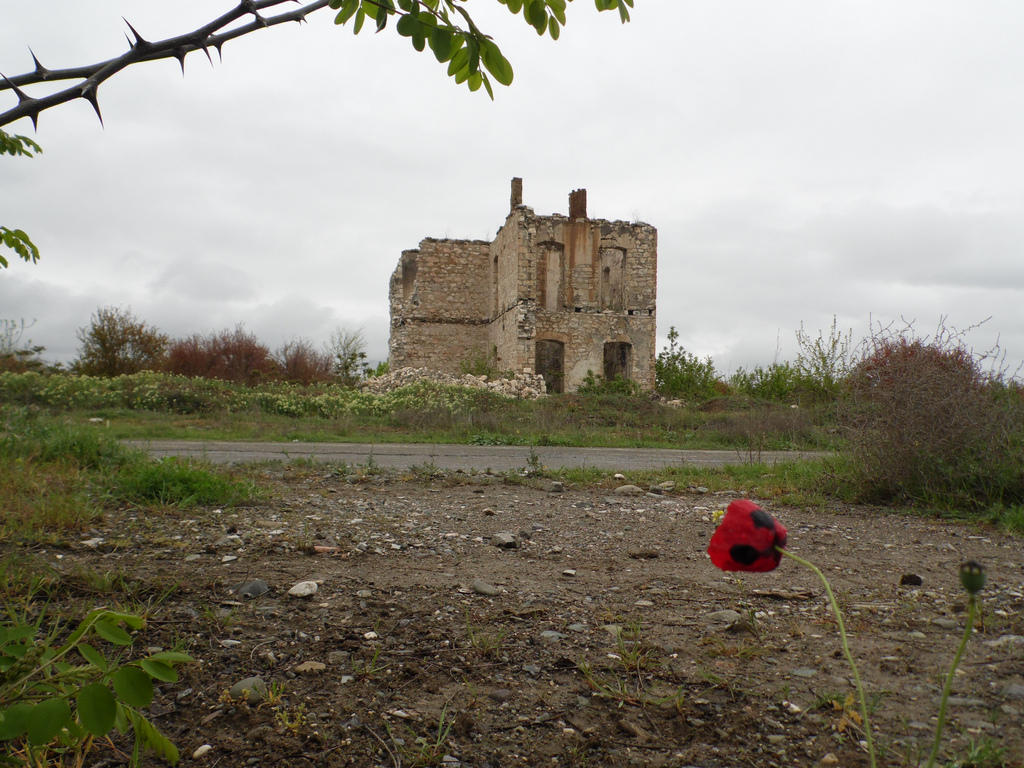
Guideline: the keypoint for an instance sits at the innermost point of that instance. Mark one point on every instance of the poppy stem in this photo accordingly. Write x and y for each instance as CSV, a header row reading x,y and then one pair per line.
x,y
972,603
846,650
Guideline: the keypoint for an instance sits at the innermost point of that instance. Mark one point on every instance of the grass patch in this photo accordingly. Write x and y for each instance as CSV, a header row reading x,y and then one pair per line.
x,y
177,482
58,476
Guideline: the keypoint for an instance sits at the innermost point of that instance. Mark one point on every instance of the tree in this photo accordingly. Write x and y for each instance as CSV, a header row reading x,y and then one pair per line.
x,y
472,57
115,342
348,350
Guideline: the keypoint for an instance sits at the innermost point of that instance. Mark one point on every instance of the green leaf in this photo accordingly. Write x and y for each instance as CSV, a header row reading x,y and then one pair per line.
x,y
112,633
14,720
475,80
96,709
46,720
93,656
159,670
496,63
133,686
360,18
407,26
459,62
348,9
537,14
172,657
442,43
553,28
148,734
514,5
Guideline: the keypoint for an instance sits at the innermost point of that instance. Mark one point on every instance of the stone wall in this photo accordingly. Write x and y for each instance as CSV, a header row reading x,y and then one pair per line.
x,y
440,305
589,285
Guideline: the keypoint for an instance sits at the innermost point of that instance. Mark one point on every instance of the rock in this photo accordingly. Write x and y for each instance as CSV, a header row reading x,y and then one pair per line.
x,y
804,672
251,689
505,540
619,477
481,587
337,658
726,617
556,487
570,572
92,543
304,589
643,554
363,594
829,759
550,636
200,751
945,623
253,588
231,540
911,580
310,667
668,485
628,490
1005,640
229,558
1014,691
531,669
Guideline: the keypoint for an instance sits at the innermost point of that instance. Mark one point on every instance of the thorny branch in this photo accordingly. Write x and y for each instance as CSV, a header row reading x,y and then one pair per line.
x,y
208,36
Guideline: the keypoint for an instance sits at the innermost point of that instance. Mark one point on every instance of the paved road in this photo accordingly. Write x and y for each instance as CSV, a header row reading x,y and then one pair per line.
x,y
496,457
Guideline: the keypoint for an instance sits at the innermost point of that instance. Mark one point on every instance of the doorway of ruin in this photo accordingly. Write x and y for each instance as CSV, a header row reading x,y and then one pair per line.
x,y
550,363
618,359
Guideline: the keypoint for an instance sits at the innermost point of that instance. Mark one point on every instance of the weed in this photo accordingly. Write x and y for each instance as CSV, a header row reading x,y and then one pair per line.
x,y
178,482
487,644
39,682
424,751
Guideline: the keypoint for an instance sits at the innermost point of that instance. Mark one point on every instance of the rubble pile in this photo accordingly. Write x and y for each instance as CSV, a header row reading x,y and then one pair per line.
x,y
523,386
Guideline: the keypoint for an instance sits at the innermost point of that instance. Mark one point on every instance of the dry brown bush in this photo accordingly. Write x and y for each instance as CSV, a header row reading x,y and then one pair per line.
x,y
926,423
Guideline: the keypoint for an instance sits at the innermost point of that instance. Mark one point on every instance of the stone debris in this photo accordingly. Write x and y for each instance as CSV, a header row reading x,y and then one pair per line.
x,y
521,386
304,589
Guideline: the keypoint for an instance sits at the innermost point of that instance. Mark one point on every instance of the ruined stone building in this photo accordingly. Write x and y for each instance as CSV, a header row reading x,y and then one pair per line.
x,y
556,295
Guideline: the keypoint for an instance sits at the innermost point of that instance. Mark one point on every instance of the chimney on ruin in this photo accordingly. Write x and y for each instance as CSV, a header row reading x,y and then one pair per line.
x,y
578,204
517,193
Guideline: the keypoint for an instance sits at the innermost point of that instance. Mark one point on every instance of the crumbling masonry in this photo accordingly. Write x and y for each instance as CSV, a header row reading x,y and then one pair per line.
x,y
555,295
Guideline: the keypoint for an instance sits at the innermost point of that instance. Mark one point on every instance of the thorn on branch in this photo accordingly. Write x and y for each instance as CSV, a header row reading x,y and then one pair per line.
x,y
23,98
179,54
140,44
88,89
41,71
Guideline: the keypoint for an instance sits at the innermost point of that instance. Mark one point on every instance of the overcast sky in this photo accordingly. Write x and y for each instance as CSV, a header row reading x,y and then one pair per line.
x,y
856,159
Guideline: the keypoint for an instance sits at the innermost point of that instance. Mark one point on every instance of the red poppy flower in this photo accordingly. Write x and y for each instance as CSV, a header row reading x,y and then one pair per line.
x,y
746,539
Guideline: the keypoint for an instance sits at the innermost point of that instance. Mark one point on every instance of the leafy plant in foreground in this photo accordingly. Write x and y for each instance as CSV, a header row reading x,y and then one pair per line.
x,y
54,706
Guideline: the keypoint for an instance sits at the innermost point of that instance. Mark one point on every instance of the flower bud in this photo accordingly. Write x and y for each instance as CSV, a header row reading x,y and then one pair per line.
x,y
972,576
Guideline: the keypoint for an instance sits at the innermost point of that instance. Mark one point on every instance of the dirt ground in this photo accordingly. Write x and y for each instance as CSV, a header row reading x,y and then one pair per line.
x,y
599,635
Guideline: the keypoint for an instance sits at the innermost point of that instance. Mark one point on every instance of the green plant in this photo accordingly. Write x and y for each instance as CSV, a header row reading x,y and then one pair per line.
x,y
972,578
680,374
598,385
779,382
487,644
424,751
174,481
53,706
822,364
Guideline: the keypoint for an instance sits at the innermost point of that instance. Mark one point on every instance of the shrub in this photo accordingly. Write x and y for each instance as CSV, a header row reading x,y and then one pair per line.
x,y
926,423
598,385
16,353
236,356
822,364
680,374
779,381
298,361
115,342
